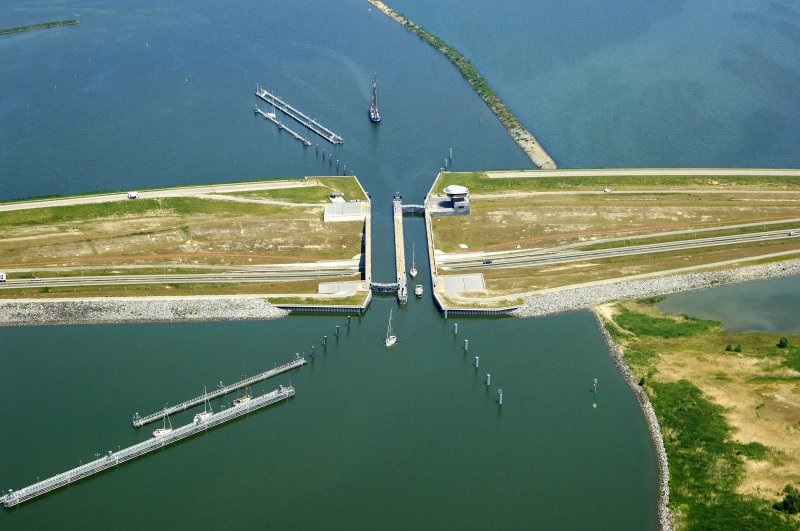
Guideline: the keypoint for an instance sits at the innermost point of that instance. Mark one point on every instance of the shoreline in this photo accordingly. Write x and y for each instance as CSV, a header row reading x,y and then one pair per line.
x,y
524,138
136,310
653,427
587,298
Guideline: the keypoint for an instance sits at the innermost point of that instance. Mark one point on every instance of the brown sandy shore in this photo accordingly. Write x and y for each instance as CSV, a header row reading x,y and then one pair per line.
x,y
524,138
136,310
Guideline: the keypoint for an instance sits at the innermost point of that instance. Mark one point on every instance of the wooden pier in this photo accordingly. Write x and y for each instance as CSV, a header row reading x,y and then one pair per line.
x,y
271,117
295,114
219,391
112,459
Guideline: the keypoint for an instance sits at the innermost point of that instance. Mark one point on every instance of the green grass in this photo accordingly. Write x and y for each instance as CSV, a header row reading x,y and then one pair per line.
x,y
310,194
43,25
792,357
478,182
138,207
706,465
645,325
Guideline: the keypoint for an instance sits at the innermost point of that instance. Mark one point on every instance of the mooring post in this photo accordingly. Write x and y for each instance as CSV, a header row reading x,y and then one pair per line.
x,y
455,329
499,397
477,361
466,345
488,379
324,341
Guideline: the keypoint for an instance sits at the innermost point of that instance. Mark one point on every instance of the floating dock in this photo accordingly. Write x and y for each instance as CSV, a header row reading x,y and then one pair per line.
x,y
295,114
219,391
271,117
112,459
399,251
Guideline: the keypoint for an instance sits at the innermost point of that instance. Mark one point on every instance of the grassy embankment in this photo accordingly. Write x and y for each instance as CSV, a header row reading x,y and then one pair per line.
x,y
43,25
721,400
184,229
317,191
480,183
167,231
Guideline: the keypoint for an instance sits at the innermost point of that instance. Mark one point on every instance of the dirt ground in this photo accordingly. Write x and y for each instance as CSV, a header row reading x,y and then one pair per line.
x,y
252,235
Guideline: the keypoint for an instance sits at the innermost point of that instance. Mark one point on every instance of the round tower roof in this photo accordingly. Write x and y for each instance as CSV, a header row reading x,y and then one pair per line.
x,y
456,189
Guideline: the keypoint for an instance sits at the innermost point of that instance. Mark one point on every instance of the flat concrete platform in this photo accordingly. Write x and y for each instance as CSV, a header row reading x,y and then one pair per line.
x,y
338,288
355,211
454,284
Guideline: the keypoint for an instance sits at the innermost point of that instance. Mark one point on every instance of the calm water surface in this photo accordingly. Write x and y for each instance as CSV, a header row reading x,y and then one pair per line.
x,y
768,306
638,84
150,95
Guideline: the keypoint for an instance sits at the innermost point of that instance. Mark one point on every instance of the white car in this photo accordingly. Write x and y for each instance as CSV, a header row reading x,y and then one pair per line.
x,y
2,277
793,233
133,195
607,190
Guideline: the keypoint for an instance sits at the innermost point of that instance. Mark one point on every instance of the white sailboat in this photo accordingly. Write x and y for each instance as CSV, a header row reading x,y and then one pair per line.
x,y
413,270
160,432
391,339
207,412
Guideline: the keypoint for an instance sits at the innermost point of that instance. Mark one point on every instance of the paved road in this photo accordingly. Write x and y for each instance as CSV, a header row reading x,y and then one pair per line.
x,y
51,282
610,172
444,258
551,257
152,194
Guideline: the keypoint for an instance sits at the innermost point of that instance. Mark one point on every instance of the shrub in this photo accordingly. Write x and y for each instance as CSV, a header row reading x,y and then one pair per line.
x,y
791,502
783,342
737,348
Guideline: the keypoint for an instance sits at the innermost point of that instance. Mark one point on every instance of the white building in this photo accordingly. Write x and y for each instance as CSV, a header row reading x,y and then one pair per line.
x,y
459,198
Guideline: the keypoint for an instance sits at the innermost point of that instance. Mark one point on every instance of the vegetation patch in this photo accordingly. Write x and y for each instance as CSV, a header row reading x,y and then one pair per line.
x,y
728,409
42,25
646,325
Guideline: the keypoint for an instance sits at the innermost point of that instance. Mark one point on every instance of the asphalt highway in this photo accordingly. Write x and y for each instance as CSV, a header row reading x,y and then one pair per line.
x,y
551,257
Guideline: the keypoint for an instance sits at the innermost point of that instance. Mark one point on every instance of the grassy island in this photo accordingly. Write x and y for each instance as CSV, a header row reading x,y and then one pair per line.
x,y
521,136
729,410
43,25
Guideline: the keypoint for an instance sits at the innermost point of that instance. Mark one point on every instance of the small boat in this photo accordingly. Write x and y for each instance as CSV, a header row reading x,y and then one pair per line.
x,y
160,432
207,412
374,113
391,339
242,400
418,290
413,270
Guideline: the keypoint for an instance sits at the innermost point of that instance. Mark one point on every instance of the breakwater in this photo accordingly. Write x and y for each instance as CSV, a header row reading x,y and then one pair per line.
x,y
664,514
585,297
524,138
135,310
43,25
